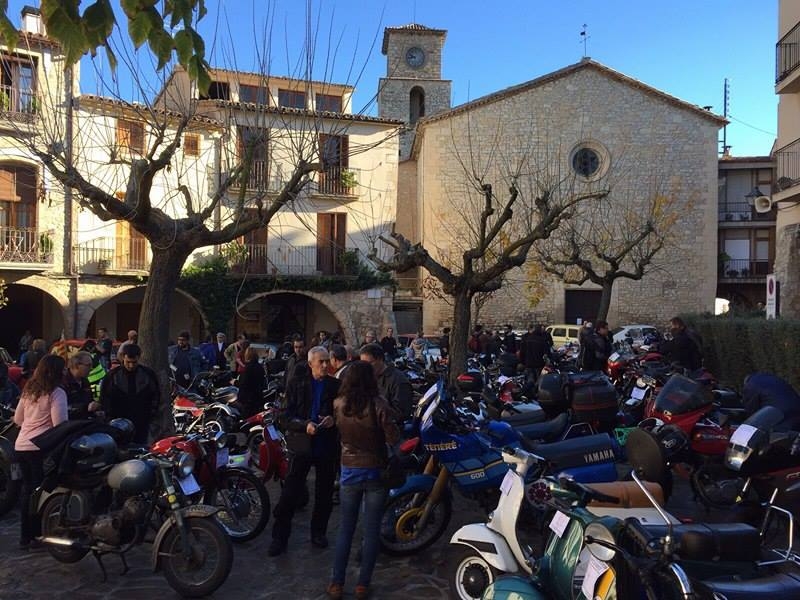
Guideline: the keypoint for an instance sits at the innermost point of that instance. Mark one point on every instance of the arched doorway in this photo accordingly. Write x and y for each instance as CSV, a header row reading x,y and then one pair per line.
x,y
120,313
29,308
416,99
273,316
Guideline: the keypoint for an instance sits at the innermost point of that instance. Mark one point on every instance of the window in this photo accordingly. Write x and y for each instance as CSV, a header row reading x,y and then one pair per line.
x,y
559,332
191,144
416,104
291,99
331,237
18,84
130,135
329,103
333,151
589,160
252,93
255,141
218,90
18,194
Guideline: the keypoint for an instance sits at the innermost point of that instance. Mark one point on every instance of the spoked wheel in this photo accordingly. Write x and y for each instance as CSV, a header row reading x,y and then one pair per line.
x,y
468,572
399,533
52,526
243,504
208,563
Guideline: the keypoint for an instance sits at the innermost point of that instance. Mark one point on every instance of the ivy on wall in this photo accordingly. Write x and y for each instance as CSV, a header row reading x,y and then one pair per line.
x,y
217,289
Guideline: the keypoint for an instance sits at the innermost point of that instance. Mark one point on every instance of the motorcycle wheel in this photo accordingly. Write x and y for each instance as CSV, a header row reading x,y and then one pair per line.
x,y
468,573
210,562
51,515
714,487
400,515
9,489
249,504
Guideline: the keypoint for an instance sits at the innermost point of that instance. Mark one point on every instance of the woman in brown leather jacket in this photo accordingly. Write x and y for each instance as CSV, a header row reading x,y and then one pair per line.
x,y
366,425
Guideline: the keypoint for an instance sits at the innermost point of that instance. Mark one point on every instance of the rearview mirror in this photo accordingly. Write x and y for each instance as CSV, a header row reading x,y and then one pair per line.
x,y
601,533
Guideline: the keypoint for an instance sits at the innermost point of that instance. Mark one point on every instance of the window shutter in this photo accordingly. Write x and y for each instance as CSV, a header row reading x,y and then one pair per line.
x,y
123,134
344,160
191,144
8,186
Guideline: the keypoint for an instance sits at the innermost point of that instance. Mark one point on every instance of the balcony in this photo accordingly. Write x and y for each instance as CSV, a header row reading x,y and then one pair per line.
x,y
284,259
113,255
25,248
336,181
787,59
745,270
18,104
733,212
787,161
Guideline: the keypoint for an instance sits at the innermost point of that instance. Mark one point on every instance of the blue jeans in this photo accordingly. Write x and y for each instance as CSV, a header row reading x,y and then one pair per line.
x,y
374,495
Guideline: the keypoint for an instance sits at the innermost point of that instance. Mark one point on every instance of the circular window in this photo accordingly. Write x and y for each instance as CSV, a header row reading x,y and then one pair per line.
x,y
589,160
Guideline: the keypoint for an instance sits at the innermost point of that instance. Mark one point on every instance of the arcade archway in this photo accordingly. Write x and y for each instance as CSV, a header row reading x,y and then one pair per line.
x,y
30,308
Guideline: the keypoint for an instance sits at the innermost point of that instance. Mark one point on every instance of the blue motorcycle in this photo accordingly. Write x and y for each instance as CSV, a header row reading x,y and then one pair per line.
x,y
463,457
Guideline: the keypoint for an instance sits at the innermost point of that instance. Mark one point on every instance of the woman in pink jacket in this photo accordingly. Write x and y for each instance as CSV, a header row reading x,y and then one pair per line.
x,y
42,406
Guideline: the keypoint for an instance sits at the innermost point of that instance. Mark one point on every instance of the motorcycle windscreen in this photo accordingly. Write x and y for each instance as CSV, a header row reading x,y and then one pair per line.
x,y
681,395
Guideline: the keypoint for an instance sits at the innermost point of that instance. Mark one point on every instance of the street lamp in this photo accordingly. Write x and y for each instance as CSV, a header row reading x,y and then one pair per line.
x,y
752,195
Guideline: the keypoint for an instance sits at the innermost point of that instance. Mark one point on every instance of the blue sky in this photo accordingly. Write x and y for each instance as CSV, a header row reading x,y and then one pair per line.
x,y
683,47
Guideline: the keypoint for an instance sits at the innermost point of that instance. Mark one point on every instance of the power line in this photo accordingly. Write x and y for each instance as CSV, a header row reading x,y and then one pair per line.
x,y
752,126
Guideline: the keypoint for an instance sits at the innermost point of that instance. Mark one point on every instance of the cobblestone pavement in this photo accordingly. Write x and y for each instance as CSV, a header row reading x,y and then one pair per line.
x,y
300,573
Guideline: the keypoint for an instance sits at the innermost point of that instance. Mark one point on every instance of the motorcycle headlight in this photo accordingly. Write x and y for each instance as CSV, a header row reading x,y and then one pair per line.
x,y
184,465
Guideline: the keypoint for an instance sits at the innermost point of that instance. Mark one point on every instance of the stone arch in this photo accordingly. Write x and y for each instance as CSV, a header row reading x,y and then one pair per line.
x,y
36,306
342,316
416,104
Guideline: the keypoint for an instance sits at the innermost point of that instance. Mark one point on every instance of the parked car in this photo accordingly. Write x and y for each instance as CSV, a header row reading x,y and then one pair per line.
x,y
563,334
433,350
635,334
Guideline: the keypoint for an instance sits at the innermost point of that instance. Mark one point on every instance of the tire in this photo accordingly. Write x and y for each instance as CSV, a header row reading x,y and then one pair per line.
x,y
468,573
9,489
250,504
714,487
213,549
51,515
401,514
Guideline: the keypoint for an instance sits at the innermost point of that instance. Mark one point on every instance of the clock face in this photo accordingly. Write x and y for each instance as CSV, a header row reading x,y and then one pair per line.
x,y
415,57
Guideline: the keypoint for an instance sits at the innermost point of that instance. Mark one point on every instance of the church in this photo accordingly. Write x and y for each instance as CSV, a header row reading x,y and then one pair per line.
x,y
583,127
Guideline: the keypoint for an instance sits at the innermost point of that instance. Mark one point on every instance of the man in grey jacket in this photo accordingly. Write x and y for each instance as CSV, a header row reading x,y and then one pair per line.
x,y
393,384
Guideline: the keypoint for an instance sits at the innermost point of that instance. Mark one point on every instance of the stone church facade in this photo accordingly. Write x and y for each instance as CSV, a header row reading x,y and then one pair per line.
x,y
635,134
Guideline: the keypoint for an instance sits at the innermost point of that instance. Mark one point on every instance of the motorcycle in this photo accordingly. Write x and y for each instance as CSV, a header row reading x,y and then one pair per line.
x,y
10,474
240,497
481,551
417,513
99,505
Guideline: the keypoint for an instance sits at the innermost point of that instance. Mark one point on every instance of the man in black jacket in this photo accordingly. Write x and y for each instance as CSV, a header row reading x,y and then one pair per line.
x,y
131,391
533,347
596,348
312,437
393,385
685,347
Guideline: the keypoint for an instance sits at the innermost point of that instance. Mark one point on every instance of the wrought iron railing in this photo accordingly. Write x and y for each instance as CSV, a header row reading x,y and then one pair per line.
x,y
18,103
742,211
331,181
787,54
744,268
286,259
116,253
337,181
787,161
26,245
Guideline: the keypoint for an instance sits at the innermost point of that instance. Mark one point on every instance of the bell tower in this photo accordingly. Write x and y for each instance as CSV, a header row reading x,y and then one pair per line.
x,y
413,87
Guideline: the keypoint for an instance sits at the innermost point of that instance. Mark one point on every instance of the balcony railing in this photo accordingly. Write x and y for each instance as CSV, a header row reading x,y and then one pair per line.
x,y
744,269
258,177
742,211
104,254
284,259
787,54
18,104
331,181
788,165
337,181
26,245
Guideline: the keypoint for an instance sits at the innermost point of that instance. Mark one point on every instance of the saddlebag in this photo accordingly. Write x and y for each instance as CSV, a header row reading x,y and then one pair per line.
x,y
593,399
550,394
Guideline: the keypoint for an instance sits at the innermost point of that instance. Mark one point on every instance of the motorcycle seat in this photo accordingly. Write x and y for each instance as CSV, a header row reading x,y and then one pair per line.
x,y
547,431
730,542
629,494
523,414
774,585
577,452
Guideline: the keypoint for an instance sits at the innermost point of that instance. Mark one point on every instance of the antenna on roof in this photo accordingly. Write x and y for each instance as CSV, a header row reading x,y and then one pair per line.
x,y
584,37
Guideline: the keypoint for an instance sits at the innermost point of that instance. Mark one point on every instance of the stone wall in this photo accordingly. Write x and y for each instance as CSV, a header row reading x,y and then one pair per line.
x,y
646,139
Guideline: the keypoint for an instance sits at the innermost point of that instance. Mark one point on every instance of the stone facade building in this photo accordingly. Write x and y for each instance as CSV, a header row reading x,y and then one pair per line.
x,y
587,115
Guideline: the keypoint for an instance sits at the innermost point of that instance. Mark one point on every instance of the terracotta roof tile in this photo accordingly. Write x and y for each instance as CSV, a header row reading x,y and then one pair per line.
x,y
415,27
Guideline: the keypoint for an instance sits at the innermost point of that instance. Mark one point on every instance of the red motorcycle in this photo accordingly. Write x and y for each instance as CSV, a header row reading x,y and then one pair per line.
x,y
240,496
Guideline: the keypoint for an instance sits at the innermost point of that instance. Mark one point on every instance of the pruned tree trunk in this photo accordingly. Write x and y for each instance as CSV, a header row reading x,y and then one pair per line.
x,y
605,300
459,334
165,270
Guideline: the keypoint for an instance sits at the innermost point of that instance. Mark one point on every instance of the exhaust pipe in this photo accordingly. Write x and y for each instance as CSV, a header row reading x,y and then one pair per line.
x,y
57,541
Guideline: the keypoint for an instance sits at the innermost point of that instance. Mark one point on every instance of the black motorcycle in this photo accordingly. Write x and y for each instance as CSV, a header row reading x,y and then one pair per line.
x,y
10,475
92,502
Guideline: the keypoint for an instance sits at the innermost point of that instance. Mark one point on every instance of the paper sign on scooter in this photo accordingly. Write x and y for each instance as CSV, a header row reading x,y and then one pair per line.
x,y
614,356
594,570
559,523
742,435
637,393
508,481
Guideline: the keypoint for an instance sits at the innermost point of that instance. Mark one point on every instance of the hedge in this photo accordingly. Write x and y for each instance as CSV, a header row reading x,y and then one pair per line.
x,y
734,347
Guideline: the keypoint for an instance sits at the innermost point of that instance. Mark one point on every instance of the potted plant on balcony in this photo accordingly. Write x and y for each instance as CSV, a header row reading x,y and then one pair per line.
x,y
348,179
733,273
235,254
45,244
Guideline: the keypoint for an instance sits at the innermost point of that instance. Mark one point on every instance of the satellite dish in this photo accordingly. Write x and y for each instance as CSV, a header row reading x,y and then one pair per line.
x,y
763,204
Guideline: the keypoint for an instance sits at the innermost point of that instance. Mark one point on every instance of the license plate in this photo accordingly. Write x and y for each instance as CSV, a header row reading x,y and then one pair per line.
x,y
222,457
273,433
16,472
189,485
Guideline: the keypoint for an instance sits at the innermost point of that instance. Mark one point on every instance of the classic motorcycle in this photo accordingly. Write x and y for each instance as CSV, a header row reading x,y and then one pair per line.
x,y
94,503
10,475
240,497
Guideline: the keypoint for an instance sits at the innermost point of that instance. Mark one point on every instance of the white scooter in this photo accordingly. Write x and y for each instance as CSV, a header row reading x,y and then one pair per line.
x,y
482,551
